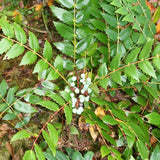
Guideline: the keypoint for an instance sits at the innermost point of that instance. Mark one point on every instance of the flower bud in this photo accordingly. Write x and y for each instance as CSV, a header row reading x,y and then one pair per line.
x,y
74,78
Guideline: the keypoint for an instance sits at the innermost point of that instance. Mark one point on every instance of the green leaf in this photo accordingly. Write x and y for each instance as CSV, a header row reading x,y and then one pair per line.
x,y
116,3
98,24
83,15
109,119
147,68
49,142
154,118
29,155
74,130
67,3
140,100
15,51
111,20
83,45
108,138
29,58
132,56
41,65
82,4
68,114
53,75
104,82
101,37
108,8
11,95
156,61
58,99
105,151
132,72
65,95
24,107
58,64
33,42
67,64
77,156
64,30
125,33
49,85
53,133
146,50
81,63
47,51
65,47
9,116
155,154
102,71
39,153
5,44
128,18
89,155
152,91
3,88
7,28
143,150
115,62
99,101
156,15
49,105
20,135
122,11
112,34
60,156
31,98
62,14
20,34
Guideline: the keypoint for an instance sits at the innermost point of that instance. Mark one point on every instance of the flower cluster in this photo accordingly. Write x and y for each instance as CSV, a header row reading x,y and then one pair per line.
x,y
79,92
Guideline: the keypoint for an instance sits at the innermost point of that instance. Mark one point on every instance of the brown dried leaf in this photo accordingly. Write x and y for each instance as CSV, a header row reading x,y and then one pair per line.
x,y
94,133
9,147
100,112
158,28
4,127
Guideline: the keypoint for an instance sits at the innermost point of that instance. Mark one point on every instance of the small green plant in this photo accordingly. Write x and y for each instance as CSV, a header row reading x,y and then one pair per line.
x,y
107,45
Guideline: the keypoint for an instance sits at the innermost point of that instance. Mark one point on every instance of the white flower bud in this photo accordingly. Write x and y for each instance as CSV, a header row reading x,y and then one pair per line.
x,y
74,100
67,90
87,98
72,84
81,104
74,78
77,91
73,104
74,110
89,90
85,87
80,110
82,80
82,91
81,100
72,95
83,75
88,79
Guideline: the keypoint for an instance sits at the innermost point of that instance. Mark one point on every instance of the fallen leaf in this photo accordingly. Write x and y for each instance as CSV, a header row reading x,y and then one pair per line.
x,y
4,127
50,2
38,7
158,28
93,131
10,148
100,112
149,6
15,13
